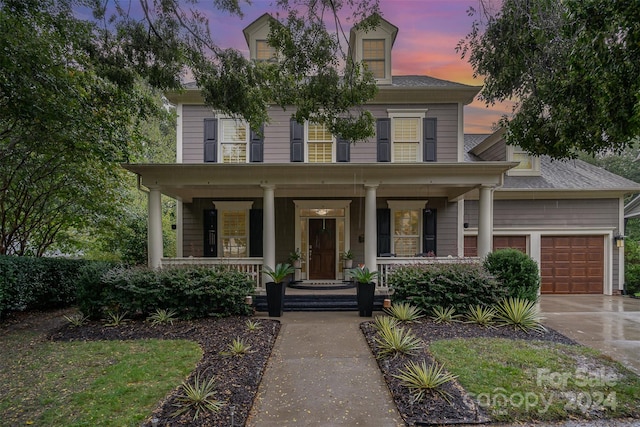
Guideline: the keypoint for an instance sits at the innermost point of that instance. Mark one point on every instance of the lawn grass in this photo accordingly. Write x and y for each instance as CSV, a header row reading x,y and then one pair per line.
x,y
106,383
517,380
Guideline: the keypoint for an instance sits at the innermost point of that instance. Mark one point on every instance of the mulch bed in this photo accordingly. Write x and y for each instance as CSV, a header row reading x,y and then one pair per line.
x,y
237,378
434,409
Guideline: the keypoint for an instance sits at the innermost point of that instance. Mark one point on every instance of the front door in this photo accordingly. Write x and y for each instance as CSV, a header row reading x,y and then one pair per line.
x,y
322,249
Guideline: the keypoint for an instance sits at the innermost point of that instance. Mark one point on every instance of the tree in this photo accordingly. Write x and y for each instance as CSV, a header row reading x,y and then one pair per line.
x,y
572,67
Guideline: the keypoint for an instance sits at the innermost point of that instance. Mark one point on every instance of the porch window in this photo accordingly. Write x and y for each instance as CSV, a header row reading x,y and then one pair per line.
x,y
373,56
319,143
406,139
406,232
234,138
234,234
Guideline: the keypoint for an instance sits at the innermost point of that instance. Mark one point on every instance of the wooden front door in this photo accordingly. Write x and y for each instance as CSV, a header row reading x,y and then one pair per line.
x,y
322,249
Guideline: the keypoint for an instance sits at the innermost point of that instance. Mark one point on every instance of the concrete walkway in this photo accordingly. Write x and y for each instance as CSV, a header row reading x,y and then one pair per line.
x,y
610,324
322,373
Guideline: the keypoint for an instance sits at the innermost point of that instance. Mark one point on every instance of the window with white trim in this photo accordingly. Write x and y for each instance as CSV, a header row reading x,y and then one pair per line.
x,y
528,165
264,52
406,135
406,226
319,143
234,136
373,56
233,228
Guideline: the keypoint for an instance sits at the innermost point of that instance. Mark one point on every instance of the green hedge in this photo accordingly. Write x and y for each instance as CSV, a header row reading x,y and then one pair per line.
x,y
447,285
29,283
517,271
192,291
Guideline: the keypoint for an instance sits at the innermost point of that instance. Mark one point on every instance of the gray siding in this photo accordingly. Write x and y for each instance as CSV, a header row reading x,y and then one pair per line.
x,y
497,152
193,132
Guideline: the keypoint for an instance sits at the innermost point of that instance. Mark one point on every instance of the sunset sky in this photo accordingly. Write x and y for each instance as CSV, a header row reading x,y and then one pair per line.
x,y
428,33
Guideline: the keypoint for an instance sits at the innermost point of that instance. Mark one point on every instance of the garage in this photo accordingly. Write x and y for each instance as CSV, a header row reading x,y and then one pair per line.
x,y
572,264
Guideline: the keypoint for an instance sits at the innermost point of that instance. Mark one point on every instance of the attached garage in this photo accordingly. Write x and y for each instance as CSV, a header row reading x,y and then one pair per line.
x,y
572,264
499,242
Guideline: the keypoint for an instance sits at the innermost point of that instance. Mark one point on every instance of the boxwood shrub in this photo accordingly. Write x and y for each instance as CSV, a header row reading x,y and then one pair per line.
x,y
517,271
192,292
446,285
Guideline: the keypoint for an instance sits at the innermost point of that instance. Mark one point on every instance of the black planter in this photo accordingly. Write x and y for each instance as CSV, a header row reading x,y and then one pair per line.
x,y
365,294
275,298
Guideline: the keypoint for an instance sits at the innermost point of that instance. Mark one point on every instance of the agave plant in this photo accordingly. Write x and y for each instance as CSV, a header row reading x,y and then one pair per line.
x,y
397,340
162,316
481,315
381,322
238,347
115,318
421,379
404,312
444,315
198,396
520,313
77,319
253,326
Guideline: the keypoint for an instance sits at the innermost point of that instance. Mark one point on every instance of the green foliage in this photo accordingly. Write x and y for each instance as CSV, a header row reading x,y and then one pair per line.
x,y
363,275
76,320
519,313
420,379
198,397
481,315
385,322
517,271
397,340
280,272
571,67
444,315
252,325
404,312
238,348
162,316
115,318
453,285
191,292
631,266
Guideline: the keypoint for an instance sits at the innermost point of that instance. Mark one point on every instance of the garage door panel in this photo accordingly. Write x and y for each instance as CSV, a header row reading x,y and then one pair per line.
x,y
572,264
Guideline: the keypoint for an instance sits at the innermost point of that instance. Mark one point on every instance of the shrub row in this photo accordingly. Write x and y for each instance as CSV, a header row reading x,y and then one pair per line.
x,y
192,292
29,283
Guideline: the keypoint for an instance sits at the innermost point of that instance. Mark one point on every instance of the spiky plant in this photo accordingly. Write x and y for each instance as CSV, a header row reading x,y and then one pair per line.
x,y
199,397
115,318
162,316
519,313
380,322
77,319
404,312
444,315
421,379
482,315
237,348
253,326
397,340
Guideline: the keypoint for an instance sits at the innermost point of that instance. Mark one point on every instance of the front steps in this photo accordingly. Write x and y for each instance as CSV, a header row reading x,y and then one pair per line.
x,y
318,302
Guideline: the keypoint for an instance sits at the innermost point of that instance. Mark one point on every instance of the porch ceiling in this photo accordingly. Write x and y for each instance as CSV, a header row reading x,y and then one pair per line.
x,y
188,181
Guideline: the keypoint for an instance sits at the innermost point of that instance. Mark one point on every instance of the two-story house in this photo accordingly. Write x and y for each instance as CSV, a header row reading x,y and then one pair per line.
x,y
420,191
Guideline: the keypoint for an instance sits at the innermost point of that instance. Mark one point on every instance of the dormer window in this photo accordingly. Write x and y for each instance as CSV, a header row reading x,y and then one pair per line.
x,y
373,55
264,52
528,165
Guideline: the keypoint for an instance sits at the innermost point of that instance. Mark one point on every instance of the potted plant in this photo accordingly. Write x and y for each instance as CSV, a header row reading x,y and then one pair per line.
x,y
347,257
275,289
366,289
296,258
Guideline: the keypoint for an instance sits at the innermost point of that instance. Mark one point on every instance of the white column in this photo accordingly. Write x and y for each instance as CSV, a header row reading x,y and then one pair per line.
x,y
154,242
485,222
268,229
370,229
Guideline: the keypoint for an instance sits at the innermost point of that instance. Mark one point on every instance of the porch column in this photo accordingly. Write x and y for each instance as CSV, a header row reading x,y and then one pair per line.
x,y
154,239
268,229
370,228
485,222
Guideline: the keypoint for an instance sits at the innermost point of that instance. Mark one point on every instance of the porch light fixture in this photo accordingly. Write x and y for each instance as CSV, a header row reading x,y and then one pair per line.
x,y
322,212
619,239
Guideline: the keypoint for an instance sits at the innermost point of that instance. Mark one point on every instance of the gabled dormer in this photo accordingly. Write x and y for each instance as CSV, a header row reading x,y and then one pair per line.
x,y
495,148
373,48
256,35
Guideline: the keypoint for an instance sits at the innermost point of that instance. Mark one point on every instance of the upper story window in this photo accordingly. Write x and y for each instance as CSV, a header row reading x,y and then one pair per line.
x,y
264,52
373,55
319,143
528,165
234,136
406,139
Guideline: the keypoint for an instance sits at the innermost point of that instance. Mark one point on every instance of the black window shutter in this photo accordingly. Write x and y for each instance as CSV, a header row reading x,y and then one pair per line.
x,y
343,150
210,140
210,227
256,146
255,233
383,217
297,141
383,131
429,228
430,138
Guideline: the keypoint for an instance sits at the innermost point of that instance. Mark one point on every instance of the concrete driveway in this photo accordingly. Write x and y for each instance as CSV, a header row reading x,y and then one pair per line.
x,y
610,324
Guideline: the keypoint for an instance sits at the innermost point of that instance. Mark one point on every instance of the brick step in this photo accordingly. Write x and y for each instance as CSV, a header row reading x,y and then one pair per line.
x,y
318,302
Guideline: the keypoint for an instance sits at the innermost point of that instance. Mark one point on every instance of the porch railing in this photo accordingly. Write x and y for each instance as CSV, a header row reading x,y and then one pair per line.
x,y
251,266
387,264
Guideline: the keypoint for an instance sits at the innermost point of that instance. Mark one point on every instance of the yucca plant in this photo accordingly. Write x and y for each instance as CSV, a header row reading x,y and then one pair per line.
x,y
380,322
237,348
444,315
482,315
162,316
77,320
421,379
397,340
253,326
520,313
198,396
404,312
115,318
